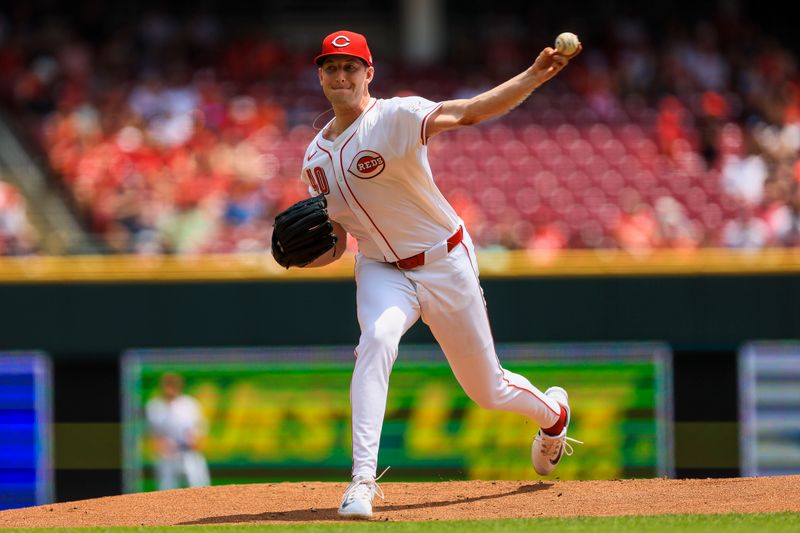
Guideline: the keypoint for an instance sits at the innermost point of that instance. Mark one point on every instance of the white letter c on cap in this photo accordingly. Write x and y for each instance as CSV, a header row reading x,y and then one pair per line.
x,y
340,41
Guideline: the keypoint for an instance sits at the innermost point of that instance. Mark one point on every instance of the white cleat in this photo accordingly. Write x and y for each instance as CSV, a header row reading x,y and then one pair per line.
x,y
357,499
547,450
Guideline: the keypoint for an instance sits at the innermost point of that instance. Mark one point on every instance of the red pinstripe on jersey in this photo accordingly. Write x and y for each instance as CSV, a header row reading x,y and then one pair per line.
x,y
344,176
333,166
502,373
424,137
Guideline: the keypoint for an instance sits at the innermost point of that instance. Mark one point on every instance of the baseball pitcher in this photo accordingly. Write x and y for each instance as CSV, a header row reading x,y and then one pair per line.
x,y
368,174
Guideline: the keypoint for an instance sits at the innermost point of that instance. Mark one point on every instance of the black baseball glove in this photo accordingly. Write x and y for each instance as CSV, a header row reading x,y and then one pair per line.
x,y
302,233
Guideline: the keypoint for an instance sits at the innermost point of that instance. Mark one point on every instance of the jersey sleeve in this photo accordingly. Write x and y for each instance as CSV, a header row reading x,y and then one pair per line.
x,y
304,172
304,178
411,116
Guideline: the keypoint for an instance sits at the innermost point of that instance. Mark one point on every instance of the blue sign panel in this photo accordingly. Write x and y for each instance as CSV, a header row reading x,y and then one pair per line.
x,y
26,474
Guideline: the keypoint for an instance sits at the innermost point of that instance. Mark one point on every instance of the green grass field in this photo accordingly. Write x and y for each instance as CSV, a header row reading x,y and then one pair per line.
x,y
772,522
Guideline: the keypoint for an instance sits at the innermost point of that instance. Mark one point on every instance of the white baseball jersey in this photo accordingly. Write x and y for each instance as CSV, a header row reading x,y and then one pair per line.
x,y
378,181
180,420
379,187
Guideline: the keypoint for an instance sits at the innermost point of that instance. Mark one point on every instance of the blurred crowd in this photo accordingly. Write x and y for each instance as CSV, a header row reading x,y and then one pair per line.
x,y
177,134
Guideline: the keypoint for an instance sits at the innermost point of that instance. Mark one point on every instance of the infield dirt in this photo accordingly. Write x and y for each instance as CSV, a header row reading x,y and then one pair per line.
x,y
273,503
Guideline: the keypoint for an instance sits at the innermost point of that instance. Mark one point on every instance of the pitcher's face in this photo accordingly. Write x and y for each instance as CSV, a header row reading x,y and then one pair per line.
x,y
345,80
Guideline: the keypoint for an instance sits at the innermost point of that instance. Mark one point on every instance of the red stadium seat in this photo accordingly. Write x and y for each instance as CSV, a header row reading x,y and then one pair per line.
x,y
679,183
545,182
593,198
565,134
595,166
504,178
611,182
613,150
580,151
459,164
561,200
712,217
513,150
628,166
599,134
575,216
608,215
465,136
493,164
629,134
492,200
527,201
498,134
560,164
590,234
577,181
526,165
532,135
546,149
643,148
695,199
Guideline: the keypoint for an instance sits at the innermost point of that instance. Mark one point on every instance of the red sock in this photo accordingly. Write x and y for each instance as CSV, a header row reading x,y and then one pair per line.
x,y
556,428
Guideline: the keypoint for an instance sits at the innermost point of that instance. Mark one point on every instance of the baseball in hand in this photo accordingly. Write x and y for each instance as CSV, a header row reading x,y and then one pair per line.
x,y
567,43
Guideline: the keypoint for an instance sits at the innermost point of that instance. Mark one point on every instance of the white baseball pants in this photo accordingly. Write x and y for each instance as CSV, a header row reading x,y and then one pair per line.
x,y
448,297
187,464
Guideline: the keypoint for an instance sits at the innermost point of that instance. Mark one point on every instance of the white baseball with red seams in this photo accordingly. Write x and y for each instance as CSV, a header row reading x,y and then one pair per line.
x,y
379,187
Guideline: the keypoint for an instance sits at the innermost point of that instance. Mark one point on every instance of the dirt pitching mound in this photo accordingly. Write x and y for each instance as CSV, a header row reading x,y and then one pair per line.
x,y
272,503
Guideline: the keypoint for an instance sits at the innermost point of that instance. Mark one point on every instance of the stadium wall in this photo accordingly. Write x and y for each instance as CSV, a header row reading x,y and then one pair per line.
x,y
85,325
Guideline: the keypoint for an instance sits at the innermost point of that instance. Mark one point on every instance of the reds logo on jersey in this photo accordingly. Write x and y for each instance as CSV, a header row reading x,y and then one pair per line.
x,y
367,164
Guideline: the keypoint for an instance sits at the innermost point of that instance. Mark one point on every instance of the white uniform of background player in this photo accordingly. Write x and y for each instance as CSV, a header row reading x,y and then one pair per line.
x,y
416,259
177,425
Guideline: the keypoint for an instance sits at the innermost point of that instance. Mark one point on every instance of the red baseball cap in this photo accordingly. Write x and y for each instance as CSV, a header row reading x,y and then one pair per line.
x,y
345,43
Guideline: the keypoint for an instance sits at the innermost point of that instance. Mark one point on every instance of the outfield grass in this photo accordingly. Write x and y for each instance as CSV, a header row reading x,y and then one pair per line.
x,y
772,522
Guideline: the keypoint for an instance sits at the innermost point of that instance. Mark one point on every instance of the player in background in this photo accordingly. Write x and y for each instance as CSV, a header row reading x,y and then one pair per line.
x,y
416,259
177,427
